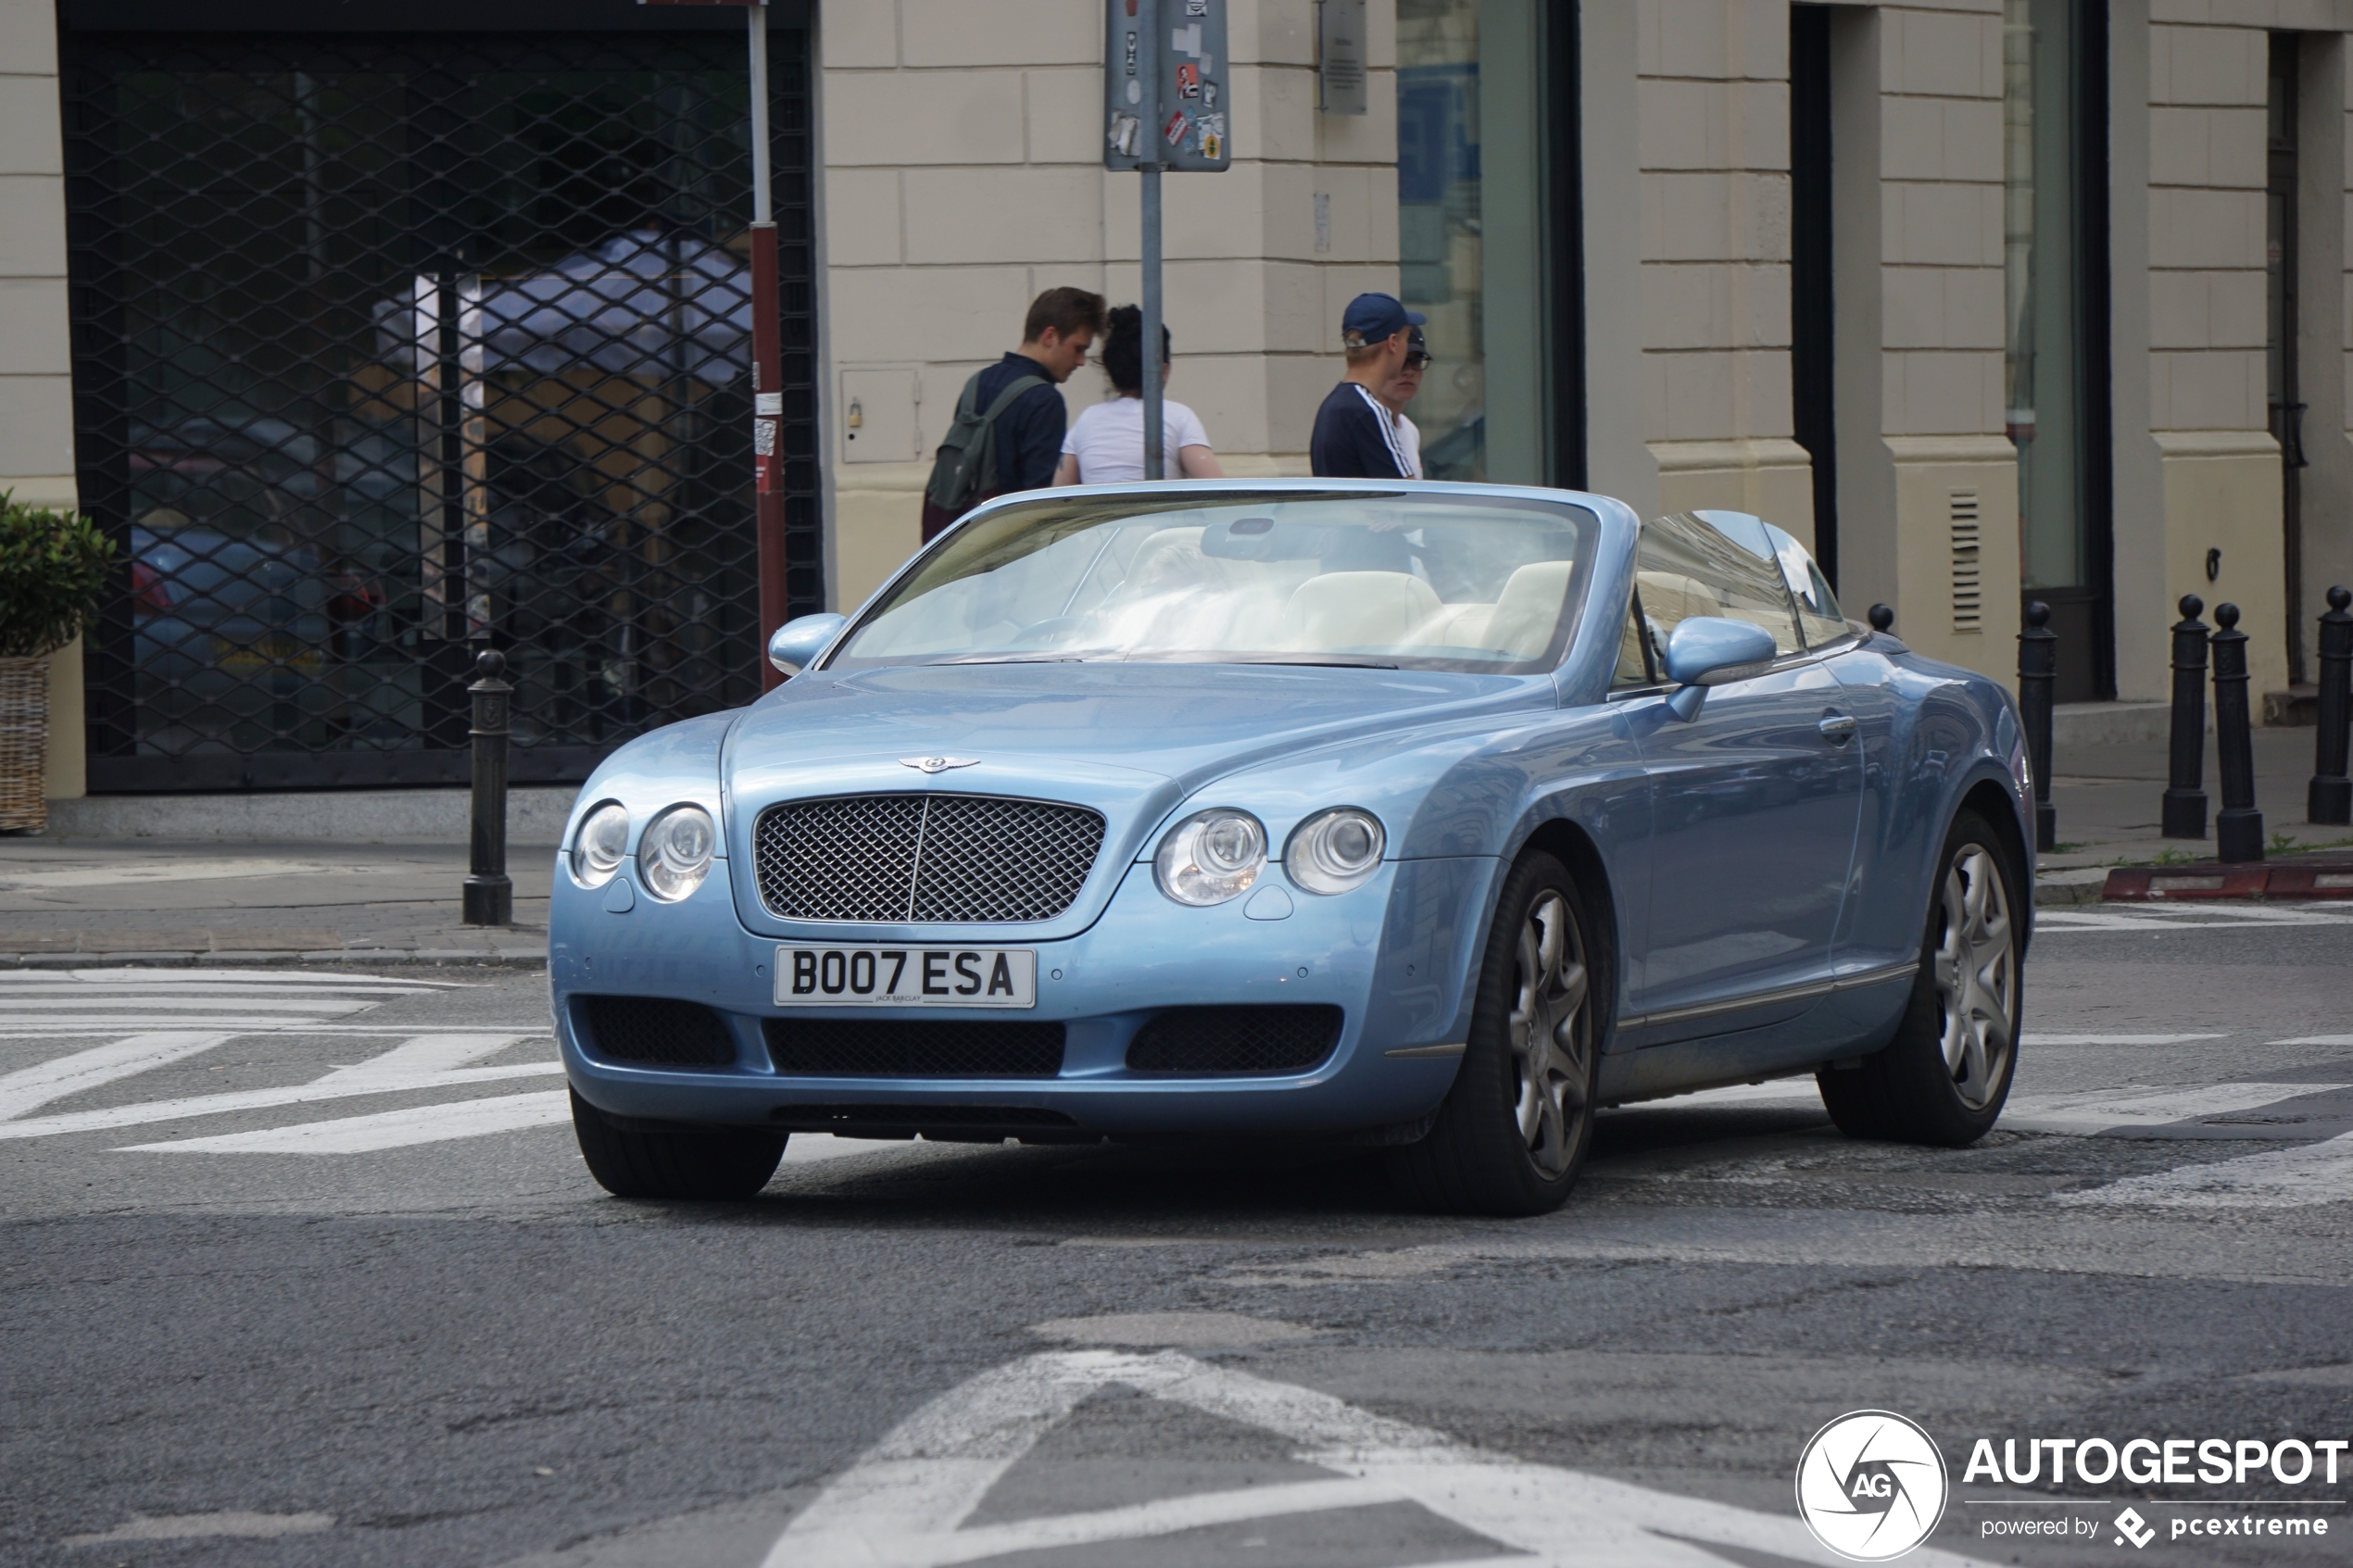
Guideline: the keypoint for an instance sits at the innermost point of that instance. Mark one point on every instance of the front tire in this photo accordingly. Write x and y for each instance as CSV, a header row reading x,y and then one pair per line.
x,y
693,1163
1944,1078
1513,1130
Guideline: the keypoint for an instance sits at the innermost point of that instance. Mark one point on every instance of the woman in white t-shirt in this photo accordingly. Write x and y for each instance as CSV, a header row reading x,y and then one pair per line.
x,y
1106,444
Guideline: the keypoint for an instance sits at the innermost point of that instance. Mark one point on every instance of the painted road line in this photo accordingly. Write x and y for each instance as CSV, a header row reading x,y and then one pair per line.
x,y
243,1024
78,1028
29,1088
807,1149
330,1007
386,1129
423,1054
2035,1039
263,1100
2315,1040
311,978
2277,1178
2113,1110
902,1504
2211,917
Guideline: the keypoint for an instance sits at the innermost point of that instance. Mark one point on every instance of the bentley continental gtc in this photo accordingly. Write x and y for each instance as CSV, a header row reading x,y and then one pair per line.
x,y
1428,820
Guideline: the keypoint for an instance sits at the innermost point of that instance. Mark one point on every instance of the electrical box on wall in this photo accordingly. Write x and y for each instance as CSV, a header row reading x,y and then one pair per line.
x,y
878,416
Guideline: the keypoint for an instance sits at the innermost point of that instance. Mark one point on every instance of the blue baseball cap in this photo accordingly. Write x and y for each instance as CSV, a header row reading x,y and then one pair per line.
x,y
1375,317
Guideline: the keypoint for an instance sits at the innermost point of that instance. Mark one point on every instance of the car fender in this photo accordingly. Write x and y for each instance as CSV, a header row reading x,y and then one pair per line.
x,y
661,768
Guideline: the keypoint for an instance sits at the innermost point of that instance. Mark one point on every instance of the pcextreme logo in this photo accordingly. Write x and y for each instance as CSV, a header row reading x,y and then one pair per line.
x,y
1871,1486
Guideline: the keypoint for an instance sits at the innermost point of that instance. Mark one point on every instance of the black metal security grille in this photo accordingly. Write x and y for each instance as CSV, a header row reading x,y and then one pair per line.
x,y
925,859
656,1029
1235,1039
389,347
877,1048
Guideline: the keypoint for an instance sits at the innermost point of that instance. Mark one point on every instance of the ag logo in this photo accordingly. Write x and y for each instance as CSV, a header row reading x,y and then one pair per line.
x,y
1870,1485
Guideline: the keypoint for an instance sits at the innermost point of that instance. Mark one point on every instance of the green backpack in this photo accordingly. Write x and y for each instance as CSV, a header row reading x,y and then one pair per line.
x,y
966,466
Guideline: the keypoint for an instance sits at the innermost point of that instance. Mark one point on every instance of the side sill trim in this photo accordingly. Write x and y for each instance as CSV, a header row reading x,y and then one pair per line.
x,y
1765,998
1423,1053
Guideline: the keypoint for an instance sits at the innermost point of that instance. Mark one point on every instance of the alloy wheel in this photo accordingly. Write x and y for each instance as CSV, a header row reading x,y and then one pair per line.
x,y
1551,1036
1976,975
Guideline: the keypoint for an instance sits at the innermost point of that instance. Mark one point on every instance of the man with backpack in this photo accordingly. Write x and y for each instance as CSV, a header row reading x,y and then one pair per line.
x,y
1010,422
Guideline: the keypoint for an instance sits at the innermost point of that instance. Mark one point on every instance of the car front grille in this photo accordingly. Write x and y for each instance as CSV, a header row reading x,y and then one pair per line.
x,y
656,1031
877,1048
923,859
1236,1040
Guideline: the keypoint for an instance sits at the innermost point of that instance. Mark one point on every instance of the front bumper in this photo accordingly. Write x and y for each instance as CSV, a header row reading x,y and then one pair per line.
x,y
1393,955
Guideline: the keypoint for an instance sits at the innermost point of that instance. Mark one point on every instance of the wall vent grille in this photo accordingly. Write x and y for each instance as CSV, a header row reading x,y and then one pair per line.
x,y
1968,607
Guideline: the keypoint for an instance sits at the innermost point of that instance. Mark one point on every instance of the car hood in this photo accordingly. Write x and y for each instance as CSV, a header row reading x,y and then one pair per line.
x,y
1131,740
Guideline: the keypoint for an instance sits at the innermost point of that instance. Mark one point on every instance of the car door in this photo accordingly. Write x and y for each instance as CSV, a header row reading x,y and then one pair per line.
x,y
1754,801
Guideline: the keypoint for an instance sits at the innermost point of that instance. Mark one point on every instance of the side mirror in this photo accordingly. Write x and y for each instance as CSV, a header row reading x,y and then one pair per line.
x,y
799,641
1708,650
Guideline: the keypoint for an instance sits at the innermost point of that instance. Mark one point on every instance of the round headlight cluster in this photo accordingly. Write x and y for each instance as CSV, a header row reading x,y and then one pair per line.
x,y
1211,857
602,844
1334,850
675,854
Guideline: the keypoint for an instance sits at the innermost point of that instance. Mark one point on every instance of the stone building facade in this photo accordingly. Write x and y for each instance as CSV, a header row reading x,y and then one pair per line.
x,y
1994,299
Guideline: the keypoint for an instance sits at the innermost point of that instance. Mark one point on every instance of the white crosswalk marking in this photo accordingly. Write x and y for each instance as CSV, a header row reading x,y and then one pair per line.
x,y
263,1100
2190,916
31,1088
386,1129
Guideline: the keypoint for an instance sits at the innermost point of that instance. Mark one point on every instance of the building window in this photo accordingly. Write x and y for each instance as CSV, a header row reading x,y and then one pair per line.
x,y
1487,239
2054,155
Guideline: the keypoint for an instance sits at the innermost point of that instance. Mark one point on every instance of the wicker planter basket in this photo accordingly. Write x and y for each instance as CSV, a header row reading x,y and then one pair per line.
x,y
24,742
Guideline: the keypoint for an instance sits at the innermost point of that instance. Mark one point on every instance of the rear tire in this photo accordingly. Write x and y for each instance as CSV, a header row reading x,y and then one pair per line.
x,y
1513,1130
1943,1079
695,1163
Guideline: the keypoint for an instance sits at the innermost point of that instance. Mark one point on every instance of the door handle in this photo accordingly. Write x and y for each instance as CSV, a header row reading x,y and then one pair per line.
x,y
1837,729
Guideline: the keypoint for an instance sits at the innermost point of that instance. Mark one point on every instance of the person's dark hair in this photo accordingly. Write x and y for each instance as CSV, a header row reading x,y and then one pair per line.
x,y
1124,350
1066,311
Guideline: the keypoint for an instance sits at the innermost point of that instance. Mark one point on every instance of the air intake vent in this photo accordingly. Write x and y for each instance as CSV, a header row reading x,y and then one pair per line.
x,y
655,1031
1967,570
894,1047
924,859
1236,1041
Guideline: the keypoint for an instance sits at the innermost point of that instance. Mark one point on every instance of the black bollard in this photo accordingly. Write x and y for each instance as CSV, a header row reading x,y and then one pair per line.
x,y
2184,814
1882,618
2331,797
2037,667
2238,831
490,896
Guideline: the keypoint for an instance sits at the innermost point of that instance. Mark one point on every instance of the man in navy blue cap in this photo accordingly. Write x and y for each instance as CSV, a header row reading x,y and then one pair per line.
x,y
1356,436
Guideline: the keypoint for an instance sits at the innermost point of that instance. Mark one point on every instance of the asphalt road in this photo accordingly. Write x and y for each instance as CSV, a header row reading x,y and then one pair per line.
x,y
263,1307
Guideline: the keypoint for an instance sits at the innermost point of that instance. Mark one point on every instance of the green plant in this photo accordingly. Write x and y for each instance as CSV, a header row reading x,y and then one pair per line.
x,y
2172,857
52,566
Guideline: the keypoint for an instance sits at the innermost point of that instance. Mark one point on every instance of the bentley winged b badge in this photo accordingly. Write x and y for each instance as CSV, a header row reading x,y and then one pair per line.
x,y
936,764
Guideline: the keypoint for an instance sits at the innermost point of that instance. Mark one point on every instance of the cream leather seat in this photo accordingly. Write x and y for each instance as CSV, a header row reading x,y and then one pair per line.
x,y
1357,609
1529,609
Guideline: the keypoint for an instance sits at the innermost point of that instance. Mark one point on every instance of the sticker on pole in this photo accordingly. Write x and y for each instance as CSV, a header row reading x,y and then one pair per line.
x,y
1164,69
1871,1486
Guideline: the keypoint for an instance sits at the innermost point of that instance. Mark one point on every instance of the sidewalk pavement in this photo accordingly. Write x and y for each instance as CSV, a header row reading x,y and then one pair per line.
x,y
2110,796
65,902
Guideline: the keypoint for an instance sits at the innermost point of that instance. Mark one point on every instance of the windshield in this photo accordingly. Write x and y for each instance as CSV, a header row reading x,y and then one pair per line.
x,y
1422,581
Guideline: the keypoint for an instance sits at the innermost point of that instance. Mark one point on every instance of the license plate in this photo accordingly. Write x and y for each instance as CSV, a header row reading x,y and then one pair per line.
x,y
900,977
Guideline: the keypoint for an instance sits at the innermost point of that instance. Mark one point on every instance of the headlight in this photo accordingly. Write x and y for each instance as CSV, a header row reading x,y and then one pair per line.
x,y
1211,857
676,851
1334,851
602,844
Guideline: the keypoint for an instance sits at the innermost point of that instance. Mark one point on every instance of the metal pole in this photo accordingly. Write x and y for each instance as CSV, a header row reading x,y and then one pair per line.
x,y
767,367
1148,66
2037,666
2330,798
2185,809
2239,829
489,895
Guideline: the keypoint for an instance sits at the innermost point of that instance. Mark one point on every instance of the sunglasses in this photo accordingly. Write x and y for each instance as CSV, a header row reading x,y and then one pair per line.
x,y
1417,362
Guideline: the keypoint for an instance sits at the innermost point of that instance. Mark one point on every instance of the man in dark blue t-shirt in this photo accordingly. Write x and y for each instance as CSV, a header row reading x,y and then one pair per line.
x,y
1063,324
1356,436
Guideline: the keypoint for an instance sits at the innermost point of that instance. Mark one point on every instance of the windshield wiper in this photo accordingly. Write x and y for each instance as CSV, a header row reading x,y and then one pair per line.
x,y
1023,658
1329,662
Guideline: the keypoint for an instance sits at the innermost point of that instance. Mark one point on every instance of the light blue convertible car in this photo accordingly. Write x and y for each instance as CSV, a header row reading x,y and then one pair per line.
x,y
1427,819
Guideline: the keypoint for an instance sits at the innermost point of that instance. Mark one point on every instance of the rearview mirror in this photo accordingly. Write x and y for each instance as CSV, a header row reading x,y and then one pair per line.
x,y
1708,650
799,641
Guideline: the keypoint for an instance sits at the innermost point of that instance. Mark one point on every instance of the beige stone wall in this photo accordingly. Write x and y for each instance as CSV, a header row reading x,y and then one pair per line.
x,y
36,409
964,174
